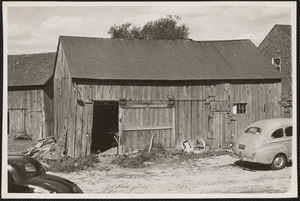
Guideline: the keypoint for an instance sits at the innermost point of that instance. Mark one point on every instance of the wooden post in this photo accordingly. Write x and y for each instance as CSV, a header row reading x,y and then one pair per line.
x,y
121,111
173,138
151,142
61,144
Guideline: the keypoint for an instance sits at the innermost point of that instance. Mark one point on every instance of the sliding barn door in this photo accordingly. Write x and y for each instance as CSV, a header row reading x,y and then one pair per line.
x,y
140,122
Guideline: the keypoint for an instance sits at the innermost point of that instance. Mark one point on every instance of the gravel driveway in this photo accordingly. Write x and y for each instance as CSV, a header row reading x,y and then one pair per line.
x,y
207,175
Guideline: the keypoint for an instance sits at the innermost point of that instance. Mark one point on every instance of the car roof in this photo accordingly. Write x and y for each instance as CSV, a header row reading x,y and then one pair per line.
x,y
268,124
19,158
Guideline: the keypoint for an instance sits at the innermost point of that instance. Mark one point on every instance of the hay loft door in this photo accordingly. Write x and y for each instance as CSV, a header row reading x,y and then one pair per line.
x,y
139,121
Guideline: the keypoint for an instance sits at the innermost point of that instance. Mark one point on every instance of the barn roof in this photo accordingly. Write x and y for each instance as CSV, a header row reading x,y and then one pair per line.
x,y
115,59
30,69
286,28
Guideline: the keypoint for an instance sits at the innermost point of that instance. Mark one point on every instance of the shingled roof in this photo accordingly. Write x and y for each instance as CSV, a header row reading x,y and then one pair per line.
x,y
30,69
114,59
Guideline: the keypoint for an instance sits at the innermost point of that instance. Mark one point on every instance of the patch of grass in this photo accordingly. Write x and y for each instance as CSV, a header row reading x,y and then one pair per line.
x,y
72,164
204,154
161,156
18,146
136,161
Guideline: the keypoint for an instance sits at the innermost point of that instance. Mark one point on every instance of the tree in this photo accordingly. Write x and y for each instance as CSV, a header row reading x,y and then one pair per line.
x,y
121,31
165,28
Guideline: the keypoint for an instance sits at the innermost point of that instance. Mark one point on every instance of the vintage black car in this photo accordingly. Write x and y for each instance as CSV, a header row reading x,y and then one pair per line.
x,y
27,175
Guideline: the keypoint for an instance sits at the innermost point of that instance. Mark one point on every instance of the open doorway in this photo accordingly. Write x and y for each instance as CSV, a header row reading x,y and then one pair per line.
x,y
105,125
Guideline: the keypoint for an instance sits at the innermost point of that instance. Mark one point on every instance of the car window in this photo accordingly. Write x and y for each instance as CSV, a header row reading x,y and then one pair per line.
x,y
278,133
253,130
289,131
29,167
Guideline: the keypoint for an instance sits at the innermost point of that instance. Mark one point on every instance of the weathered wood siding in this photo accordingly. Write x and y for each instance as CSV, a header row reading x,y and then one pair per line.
x,y
63,98
201,110
30,111
80,117
49,107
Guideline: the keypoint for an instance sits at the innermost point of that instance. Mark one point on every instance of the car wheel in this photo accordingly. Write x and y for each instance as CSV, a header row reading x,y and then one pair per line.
x,y
279,162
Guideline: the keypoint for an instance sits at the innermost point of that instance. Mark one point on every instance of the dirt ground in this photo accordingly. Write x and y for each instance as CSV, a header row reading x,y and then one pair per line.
x,y
213,174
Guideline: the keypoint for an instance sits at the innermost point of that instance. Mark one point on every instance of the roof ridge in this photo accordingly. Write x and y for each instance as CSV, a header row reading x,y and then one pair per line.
x,y
184,40
32,54
283,25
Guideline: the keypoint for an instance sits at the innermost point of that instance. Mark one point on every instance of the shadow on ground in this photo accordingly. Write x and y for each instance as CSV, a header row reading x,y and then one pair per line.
x,y
255,166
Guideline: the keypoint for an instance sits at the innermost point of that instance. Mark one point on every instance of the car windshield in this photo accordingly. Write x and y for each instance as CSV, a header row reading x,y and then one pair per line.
x,y
253,130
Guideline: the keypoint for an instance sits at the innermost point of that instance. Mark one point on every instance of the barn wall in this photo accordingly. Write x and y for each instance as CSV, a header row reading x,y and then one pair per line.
x,y
63,96
28,112
67,106
49,107
202,111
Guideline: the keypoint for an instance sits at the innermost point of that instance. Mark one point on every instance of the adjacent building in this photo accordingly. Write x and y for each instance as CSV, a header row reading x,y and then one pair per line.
x,y
277,47
30,94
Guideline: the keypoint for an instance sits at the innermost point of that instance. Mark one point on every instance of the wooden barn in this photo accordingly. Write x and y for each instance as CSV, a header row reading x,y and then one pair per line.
x,y
30,94
171,90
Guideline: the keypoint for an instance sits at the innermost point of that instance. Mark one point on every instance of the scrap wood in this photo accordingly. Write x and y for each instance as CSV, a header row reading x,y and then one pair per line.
x,y
151,143
61,142
23,136
44,148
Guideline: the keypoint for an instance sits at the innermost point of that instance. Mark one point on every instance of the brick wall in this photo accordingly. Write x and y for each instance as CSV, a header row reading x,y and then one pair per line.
x,y
278,44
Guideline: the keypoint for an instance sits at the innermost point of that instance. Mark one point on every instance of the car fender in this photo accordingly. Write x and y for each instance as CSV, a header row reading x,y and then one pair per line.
x,y
265,154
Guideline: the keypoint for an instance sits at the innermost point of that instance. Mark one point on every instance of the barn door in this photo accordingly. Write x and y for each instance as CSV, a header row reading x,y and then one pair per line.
x,y
139,121
219,130
36,124
17,121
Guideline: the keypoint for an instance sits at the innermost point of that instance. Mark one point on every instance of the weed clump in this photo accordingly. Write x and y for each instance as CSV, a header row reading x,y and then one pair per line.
x,y
134,161
72,164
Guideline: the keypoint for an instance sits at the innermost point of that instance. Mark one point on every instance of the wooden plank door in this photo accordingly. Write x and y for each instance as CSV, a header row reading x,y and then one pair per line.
x,y
140,121
17,121
219,130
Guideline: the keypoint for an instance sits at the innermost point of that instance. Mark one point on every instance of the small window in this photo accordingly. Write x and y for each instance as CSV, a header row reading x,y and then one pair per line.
x,y
277,63
253,130
239,108
289,131
29,167
278,133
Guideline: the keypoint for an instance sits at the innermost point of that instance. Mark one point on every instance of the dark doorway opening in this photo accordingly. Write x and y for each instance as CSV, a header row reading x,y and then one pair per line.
x,y
105,125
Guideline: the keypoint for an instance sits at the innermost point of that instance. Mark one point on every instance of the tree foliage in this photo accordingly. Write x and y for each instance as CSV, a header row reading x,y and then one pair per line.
x,y
165,28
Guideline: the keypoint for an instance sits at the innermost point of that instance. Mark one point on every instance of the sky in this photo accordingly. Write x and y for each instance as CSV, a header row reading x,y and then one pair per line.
x,y
35,28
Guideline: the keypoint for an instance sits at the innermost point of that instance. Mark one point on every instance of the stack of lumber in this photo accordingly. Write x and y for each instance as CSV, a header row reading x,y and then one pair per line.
x,y
23,136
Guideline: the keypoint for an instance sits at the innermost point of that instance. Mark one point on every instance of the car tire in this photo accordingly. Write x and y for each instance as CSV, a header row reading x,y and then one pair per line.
x,y
279,162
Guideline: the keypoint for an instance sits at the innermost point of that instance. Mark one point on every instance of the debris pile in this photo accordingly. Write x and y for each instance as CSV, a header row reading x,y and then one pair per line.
x,y
23,136
198,147
44,148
